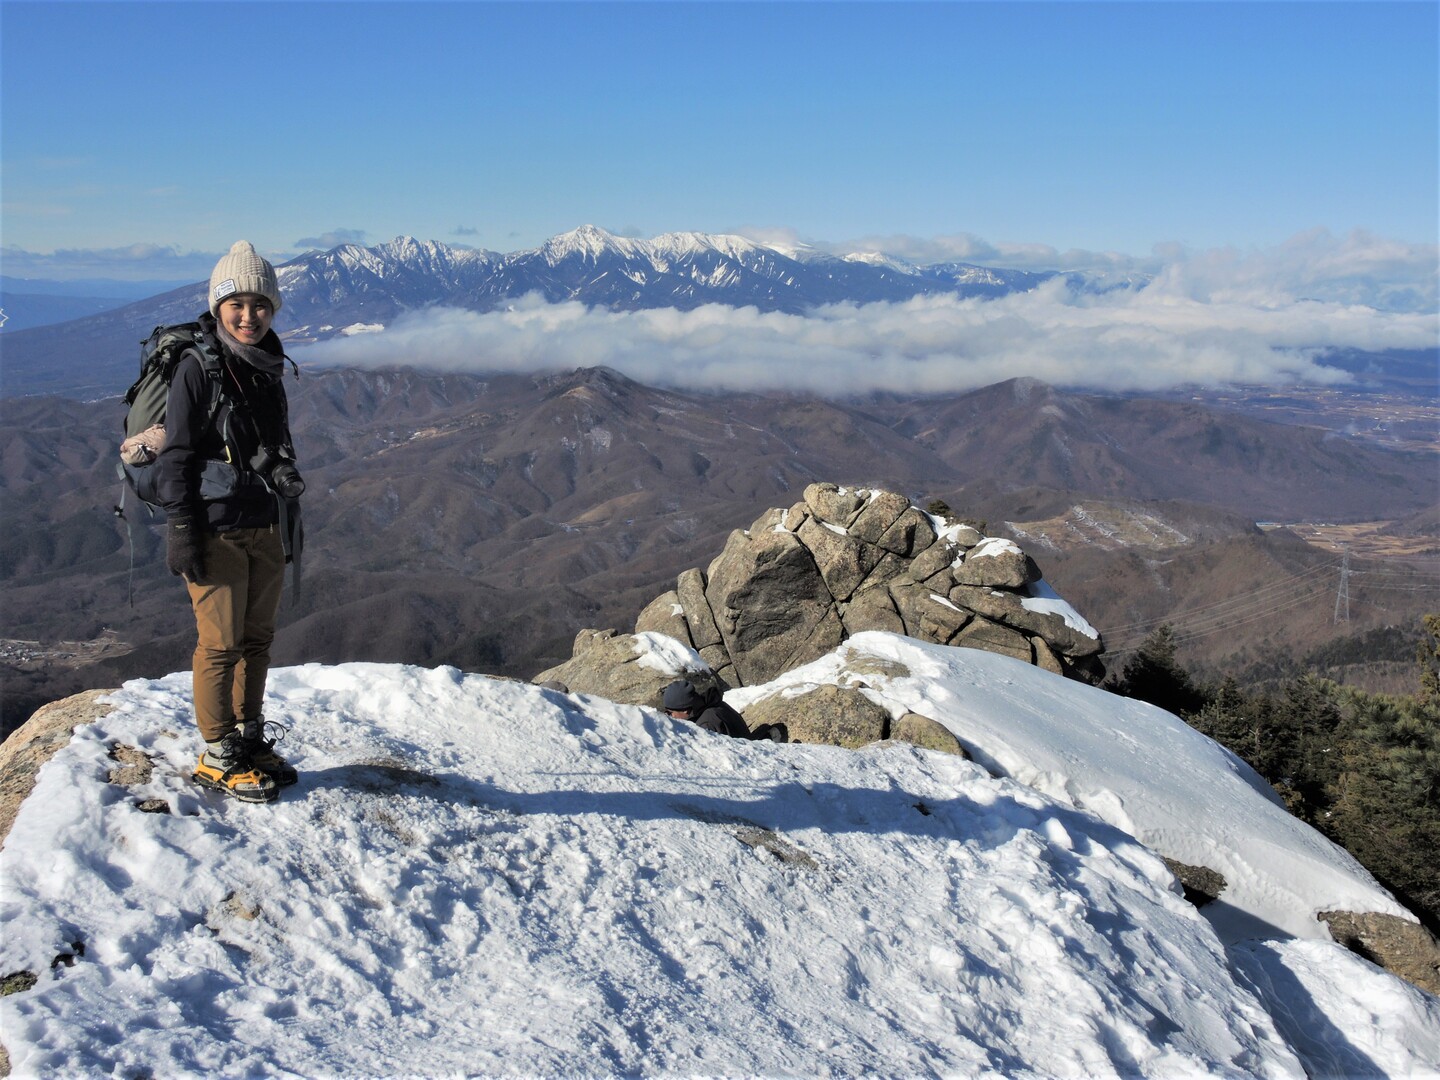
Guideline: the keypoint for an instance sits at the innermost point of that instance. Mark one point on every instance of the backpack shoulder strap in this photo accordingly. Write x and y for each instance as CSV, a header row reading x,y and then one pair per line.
x,y
207,351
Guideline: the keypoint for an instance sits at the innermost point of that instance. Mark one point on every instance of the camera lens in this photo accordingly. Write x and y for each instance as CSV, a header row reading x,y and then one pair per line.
x,y
287,481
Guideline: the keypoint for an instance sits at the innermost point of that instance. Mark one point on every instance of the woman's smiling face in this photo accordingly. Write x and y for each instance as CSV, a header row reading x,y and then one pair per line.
x,y
246,317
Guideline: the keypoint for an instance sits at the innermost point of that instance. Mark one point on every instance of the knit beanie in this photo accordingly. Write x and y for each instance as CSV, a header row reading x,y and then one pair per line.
x,y
243,271
682,695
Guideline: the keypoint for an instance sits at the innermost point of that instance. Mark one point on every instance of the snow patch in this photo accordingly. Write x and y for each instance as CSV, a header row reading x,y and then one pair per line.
x,y
1044,600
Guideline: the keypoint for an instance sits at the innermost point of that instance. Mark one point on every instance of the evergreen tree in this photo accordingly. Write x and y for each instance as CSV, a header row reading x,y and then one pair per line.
x,y
1235,721
1387,798
1307,759
1153,675
1428,654
1362,768
939,507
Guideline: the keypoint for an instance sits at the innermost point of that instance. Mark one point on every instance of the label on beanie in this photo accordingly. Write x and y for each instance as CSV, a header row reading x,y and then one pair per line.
x,y
224,288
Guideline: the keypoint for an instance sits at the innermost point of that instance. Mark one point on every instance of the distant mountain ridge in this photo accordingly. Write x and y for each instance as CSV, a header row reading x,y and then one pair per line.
x,y
327,292
597,268
481,521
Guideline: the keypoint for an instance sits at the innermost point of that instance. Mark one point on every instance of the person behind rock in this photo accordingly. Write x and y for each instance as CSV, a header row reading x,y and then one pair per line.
x,y
708,710
227,543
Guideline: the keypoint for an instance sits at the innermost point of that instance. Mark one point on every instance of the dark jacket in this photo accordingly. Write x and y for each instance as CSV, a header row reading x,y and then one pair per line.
x,y
253,409
719,717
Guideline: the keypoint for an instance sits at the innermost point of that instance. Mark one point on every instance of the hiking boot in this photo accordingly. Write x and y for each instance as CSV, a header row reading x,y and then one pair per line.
x,y
262,753
225,767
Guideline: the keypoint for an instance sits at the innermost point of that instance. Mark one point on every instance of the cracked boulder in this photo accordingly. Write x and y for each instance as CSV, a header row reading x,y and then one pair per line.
x,y
841,561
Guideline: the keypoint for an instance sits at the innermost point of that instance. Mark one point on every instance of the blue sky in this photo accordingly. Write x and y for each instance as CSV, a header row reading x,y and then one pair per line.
x,y
141,138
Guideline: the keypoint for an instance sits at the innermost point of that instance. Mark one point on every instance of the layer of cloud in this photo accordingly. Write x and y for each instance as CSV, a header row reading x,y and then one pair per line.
x,y
1357,268
332,239
961,248
133,262
1143,339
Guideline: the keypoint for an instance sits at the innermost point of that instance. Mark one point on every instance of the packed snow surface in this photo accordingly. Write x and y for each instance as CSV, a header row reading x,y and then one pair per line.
x,y
1139,768
479,876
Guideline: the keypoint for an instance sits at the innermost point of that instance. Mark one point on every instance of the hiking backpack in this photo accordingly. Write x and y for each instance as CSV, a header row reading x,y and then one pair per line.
x,y
160,354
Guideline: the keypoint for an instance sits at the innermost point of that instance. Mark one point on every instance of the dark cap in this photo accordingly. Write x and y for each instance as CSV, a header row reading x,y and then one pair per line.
x,y
682,696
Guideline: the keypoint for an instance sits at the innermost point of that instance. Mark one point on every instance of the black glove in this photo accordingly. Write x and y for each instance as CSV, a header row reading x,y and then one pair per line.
x,y
184,548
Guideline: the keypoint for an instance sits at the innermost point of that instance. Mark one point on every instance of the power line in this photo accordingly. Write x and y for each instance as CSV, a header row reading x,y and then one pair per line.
x,y
1186,630
1367,587
1278,587
1342,597
1279,594
1196,634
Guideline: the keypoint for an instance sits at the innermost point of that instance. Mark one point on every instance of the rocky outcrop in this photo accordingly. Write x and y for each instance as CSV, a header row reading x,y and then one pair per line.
x,y
622,667
801,580
1401,947
22,754
834,715
1200,884
927,734
35,742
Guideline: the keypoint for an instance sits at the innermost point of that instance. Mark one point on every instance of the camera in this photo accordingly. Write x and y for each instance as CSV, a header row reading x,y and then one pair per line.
x,y
277,466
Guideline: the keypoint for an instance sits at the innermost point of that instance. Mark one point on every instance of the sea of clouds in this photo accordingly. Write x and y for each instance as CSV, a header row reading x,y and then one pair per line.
x,y
1175,317
1210,318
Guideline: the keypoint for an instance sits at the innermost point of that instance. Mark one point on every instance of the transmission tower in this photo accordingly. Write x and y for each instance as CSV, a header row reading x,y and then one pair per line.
x,y
1342,597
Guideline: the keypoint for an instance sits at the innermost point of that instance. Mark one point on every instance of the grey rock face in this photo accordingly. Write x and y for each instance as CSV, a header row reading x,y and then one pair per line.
x,y
981,633
841,561
997,564
35,742
768,598
928,734
665,615
911,534
872,608
943,622
844,561
604,663
881,510
833,715
830,503
937,558
690,590
1009,608
1200,883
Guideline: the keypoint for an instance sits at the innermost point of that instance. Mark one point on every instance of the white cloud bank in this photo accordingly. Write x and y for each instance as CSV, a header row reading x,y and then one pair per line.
x,y
1356,268
1217,318
132,262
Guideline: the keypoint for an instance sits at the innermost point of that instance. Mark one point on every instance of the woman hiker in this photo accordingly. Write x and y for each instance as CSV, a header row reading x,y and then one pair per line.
x,y
230,537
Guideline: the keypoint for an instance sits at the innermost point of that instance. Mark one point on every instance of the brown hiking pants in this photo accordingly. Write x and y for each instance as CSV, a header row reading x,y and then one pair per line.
x,y
235,612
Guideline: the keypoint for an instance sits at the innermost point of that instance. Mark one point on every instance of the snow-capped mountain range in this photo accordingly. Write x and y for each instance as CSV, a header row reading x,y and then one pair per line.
x,y
597,268
350,286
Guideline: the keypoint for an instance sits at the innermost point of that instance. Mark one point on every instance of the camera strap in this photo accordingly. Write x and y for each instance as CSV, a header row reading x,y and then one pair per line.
x,y
292,539
292,529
